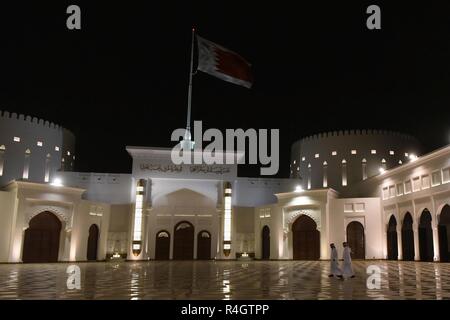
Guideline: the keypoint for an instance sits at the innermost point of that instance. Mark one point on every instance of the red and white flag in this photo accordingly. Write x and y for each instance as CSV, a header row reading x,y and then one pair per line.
x,y
223,63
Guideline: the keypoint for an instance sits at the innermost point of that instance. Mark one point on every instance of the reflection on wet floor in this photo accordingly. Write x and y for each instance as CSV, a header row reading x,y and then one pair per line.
x,y
224,280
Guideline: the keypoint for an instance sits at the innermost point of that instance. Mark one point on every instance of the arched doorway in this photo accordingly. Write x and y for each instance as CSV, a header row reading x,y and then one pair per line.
x,y
408,238
92,247
392,241
426,237
162,245
183,244
356,240
444,232
41,241
204,245
265,243
306,239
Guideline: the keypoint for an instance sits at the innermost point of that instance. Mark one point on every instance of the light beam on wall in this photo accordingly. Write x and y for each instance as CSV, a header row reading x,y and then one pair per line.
x,y
137,226
227,220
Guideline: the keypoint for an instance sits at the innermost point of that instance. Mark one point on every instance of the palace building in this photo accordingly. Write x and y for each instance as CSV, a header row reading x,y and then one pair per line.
x,y
373,189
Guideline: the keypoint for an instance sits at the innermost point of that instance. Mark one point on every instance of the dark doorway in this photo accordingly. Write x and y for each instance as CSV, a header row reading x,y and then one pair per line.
x,y
306,239
408,238
162,245
265,243
444,229
41,241
392,241
204,245
426,247
183,244
92,243
356,240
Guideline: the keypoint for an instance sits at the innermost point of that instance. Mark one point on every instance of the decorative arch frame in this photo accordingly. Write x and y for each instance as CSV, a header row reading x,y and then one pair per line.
x,y
293,215
55,210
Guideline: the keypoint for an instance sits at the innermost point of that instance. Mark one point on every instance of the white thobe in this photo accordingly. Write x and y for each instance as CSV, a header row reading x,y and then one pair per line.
x,y
347,269
334,264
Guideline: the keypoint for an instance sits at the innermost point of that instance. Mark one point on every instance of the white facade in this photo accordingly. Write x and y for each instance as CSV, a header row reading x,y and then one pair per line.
x,y
199,211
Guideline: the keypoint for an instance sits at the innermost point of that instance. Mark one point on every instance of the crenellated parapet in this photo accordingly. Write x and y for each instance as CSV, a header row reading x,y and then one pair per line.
x,y
33,149
340,159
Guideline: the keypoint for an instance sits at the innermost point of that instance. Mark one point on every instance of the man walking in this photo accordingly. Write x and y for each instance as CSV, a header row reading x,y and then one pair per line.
x,y
335,271
347,269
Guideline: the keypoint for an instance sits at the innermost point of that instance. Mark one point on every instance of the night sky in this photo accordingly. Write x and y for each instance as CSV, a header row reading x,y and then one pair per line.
x,y
122,79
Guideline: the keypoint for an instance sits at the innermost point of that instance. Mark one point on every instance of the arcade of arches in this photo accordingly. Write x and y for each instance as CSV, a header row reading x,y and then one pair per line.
x,y
183,243
425,236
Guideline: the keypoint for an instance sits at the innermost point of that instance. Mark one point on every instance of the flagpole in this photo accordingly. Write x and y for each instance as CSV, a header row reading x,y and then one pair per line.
x,y
188,120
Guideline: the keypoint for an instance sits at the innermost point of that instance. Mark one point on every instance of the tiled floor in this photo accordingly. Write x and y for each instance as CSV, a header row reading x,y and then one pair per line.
x,y
223,280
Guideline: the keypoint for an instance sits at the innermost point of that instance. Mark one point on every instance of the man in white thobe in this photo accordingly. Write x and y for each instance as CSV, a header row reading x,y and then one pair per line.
x,y
347,269
335,271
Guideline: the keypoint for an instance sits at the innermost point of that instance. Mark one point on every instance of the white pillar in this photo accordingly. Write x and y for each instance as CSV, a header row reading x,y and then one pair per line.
x,y
416,242
399,243
435,241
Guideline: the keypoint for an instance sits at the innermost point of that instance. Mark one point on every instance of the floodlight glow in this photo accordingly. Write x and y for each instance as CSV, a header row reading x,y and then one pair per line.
x,y
57,182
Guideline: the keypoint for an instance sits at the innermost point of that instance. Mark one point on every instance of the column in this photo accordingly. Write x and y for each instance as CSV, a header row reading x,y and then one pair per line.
x,y
416,242
399,242
399,233
434,225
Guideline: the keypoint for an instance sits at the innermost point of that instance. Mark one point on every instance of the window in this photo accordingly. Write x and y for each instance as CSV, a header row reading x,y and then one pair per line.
x,y
353,151
360,207
391,191
364,169
425,182
385,193
391,153
373,151
309,176
436,178
26,166
406,154
325,174
446,175
416,184
344,172
408,187
16,139
348,207
47,168
383,164
316,156
39,143
399,189
56,148
334,153
2,155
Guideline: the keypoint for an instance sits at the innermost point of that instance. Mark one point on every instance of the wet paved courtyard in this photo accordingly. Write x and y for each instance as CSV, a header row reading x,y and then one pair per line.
x,y
223,280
